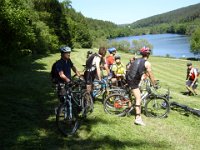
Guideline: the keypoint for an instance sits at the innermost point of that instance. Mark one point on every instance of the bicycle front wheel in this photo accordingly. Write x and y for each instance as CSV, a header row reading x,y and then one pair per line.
x,y
87,104
116,104
67,122
157,107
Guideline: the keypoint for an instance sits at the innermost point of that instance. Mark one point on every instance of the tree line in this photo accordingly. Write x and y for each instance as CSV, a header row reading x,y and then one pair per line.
x,y
42,26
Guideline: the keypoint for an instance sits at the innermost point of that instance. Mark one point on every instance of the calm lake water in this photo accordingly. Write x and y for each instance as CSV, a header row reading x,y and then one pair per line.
x,y
174,45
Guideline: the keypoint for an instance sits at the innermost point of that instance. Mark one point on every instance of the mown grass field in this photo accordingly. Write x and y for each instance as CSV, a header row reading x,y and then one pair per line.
x,y
27,119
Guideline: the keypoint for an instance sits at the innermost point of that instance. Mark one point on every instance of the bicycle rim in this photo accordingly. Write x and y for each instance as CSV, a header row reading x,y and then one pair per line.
x,y
157,107
67,125
116,104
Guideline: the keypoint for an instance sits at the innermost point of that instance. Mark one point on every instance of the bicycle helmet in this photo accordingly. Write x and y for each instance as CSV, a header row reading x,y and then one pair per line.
x,y
89,52
189,64
145,50
117,57
112,49
65,49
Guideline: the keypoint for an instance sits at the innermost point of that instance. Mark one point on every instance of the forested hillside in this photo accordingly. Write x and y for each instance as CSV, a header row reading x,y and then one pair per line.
x,y
41,26
32,27
184,21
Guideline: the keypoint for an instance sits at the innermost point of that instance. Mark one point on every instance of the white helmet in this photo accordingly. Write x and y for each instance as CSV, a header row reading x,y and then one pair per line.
x,y
65,49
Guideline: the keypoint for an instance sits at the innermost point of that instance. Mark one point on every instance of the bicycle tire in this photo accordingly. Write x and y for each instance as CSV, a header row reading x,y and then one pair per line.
x,y
67,126
112,91
157,107
87,104
116,104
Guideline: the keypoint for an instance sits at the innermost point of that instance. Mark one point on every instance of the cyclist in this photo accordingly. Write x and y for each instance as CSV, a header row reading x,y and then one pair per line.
x,y
63,72
64,65
130,62
134,75
119,71
93,68
191,79
110,59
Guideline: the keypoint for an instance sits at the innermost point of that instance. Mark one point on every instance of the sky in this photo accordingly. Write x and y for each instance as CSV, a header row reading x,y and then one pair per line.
x,y
127,11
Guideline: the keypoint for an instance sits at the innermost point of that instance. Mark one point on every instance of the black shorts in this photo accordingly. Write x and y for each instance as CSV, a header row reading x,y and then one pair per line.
x,y
89,77
133,84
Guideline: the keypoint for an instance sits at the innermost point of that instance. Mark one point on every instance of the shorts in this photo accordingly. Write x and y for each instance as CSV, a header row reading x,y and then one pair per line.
x,y
89,77
133,84
189,82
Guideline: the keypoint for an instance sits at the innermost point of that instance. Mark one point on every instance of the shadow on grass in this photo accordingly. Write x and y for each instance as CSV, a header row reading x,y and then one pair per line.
x,y
28,120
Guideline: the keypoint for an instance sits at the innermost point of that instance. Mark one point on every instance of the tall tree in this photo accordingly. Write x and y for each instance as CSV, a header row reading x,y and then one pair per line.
x,y
195,42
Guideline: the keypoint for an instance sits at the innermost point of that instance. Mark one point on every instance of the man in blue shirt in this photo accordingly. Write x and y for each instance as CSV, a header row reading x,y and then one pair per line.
x,y
64,65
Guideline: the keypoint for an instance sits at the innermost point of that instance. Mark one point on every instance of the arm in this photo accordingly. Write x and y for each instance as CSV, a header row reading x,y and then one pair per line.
x,y
63,77
97,63
149,72
75,71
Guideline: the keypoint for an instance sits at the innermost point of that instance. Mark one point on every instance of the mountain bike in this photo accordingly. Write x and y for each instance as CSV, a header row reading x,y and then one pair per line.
x,y
154,104
105,88
76,105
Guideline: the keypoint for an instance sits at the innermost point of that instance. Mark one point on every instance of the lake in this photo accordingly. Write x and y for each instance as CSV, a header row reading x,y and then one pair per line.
x,y
174,45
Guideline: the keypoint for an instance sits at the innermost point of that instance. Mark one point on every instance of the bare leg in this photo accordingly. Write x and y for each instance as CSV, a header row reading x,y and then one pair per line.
x,y
136,93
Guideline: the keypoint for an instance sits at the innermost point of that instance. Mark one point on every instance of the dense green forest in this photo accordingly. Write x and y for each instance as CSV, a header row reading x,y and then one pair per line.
x,y
183,21
42,26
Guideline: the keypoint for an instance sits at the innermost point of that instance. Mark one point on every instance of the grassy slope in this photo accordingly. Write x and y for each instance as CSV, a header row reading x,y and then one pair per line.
x,y
28,120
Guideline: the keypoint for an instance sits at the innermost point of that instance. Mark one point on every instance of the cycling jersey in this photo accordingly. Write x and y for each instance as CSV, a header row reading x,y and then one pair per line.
x,y
118,69
65,66
192,74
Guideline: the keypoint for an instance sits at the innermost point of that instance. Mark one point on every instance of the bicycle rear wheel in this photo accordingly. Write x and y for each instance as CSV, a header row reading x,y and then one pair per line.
x,y
67,123
87,104
157,107
116,104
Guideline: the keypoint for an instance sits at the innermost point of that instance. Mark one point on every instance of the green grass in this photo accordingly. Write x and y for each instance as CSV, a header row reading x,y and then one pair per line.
x,y
28,121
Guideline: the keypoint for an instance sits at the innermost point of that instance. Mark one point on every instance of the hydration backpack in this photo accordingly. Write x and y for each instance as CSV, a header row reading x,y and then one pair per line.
x,y
89,61
55,78
135,69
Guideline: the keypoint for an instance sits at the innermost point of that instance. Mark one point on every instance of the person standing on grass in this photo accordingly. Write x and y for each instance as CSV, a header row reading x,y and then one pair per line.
x,y
139,67
93,68
62,72
191,79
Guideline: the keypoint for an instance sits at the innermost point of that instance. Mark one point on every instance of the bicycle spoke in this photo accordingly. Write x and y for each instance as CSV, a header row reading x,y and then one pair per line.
x,y
116,104
66,123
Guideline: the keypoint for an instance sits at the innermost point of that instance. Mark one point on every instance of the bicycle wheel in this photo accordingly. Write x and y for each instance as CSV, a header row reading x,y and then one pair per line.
x,y
67,123
112,91
87,104
116,104
157,107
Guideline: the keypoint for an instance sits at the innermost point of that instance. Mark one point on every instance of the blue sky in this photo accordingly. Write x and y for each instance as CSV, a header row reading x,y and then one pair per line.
x,y
127,11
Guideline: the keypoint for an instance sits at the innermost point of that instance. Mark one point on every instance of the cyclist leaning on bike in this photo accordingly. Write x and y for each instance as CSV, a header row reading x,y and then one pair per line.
x,y
93,68
134,75
63,69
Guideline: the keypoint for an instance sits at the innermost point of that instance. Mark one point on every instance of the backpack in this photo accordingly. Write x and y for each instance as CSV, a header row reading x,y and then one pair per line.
x,y
89,61
198,71
135,69
55,78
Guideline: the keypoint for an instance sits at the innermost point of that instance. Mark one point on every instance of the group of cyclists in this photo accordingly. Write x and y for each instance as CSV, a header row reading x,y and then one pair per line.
x,y
133,72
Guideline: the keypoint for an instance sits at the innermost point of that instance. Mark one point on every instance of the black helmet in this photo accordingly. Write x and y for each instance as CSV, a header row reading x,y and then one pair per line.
x,y
189,64
65,49
89,52
117,57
